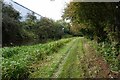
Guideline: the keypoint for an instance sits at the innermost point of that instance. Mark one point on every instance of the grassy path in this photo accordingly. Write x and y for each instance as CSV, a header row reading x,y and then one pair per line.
x,y
47,67
71,66
64,60
66,63
77,59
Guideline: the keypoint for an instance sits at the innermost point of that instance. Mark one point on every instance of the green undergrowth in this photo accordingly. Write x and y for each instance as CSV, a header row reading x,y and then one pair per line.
x,y
16,60
110,52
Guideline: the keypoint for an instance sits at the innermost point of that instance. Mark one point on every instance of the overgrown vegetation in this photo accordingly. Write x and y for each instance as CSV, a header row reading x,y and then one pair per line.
x,y
17,65
110,52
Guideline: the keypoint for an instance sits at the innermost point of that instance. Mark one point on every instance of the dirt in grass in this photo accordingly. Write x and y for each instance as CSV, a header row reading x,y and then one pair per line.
x,y
97,66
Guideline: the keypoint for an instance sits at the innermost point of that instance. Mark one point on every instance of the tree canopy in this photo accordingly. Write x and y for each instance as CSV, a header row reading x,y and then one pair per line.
x,y
31,30
98,18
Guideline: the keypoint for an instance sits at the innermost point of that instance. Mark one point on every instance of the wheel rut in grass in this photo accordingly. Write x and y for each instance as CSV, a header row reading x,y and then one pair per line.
x,y
59,68
72,66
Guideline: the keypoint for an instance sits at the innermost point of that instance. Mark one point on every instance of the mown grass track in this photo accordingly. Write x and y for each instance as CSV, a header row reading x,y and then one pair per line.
x,y
64,64
51,64
67,58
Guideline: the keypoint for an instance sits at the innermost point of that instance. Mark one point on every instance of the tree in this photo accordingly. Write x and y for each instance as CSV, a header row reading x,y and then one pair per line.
x,y
11,28
49,29
31,20
96,16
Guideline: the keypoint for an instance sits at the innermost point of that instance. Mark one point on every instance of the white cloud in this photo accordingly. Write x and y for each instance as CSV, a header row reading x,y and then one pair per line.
x,y
47,8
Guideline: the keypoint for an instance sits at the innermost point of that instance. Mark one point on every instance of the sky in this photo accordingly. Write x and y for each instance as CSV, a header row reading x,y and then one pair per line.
x,y
47,8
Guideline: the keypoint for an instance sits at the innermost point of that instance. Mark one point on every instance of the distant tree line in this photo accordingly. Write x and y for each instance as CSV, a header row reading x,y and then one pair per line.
x,y
32,30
